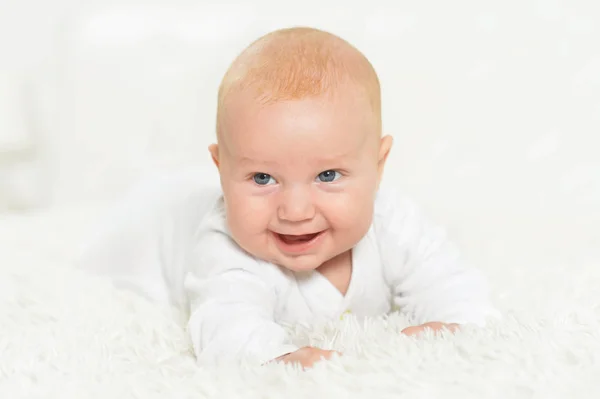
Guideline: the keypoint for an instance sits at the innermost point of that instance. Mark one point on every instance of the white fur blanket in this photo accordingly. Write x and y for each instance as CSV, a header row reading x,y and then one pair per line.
x,y
67,335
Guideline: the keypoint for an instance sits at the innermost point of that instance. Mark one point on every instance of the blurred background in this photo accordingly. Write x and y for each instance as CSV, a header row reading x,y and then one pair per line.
x,y
494,106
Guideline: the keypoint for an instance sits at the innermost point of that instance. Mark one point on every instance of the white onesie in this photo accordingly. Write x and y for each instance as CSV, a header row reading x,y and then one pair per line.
x,y
169,242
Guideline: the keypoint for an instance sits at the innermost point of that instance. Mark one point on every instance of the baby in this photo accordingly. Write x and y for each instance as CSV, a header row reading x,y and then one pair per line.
x,y
299,230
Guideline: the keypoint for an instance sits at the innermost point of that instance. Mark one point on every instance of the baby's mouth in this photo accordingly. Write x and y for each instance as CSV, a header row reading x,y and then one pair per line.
x,y
297,239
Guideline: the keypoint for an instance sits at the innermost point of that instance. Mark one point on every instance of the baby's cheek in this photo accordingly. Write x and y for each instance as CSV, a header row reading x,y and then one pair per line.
x,y
350,210
247,227
244,212
251,211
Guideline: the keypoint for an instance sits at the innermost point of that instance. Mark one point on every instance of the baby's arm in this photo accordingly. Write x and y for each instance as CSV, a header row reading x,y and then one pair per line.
x,y
428,279
232,304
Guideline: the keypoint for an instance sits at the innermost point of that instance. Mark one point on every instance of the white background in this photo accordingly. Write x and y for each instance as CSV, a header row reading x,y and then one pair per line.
x,y
494,105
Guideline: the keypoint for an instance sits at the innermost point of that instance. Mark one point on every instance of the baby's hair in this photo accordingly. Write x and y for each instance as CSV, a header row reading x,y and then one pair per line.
x,y
296,63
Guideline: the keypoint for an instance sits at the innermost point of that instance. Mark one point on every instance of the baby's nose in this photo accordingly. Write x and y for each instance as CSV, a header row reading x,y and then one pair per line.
x,y
296,205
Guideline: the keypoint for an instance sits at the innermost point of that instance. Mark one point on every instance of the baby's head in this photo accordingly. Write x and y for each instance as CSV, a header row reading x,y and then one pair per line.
x,y
300,151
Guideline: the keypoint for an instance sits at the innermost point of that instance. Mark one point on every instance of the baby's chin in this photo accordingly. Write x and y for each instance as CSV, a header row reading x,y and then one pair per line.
x,y
299,264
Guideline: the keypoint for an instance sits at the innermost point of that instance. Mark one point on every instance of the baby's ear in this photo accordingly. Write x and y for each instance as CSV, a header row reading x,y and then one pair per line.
x,y
214,153
385,146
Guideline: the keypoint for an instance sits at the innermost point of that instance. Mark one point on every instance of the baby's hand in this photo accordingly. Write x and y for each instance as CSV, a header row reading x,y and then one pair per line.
x,y
307,356
434,325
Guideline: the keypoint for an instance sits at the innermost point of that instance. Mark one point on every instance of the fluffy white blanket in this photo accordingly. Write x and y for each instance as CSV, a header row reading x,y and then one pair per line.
x,y
64,334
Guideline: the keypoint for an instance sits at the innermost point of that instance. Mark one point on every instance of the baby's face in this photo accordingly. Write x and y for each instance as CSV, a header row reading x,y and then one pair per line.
x,y
299,177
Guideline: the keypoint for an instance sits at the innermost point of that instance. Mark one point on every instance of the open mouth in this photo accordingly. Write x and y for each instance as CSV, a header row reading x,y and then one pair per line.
x,y
297,239
298,243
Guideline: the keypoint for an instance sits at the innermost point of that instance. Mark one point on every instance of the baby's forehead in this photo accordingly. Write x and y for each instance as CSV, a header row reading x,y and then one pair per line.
x,y
272,141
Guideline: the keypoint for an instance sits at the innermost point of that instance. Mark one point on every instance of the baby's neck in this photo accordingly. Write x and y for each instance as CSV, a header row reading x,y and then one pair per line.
x,y
338,271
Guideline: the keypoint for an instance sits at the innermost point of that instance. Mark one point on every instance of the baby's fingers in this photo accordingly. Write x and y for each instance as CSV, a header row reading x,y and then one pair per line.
x,y
413,330
435,326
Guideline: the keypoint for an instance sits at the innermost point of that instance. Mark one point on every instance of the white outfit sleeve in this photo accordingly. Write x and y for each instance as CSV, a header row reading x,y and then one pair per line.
x,y
424,269
232,303
166,241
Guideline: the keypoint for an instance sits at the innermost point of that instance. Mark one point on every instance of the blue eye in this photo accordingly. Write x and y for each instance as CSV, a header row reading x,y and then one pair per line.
x,y
263,179
328,176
